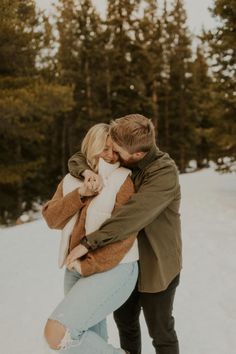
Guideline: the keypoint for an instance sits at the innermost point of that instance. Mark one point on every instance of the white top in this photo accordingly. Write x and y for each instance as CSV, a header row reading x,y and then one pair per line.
x,y
100,208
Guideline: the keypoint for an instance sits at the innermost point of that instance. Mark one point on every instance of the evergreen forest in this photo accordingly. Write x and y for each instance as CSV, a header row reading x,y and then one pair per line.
x,y
63,73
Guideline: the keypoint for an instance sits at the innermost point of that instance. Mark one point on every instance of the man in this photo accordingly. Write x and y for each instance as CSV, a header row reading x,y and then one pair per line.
x,y
154,212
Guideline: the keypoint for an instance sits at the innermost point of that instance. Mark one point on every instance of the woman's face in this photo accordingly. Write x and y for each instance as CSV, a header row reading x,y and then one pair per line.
x,y
108,154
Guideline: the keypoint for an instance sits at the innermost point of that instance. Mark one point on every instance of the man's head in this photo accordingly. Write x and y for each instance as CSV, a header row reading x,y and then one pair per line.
x,y
133,136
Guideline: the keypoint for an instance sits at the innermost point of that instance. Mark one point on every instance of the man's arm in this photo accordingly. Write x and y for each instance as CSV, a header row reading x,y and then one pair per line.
x,y
154,196
78,168
77,165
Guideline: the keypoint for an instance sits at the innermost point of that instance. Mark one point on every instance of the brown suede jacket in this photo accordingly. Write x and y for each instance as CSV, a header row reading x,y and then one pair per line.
x,y
58,211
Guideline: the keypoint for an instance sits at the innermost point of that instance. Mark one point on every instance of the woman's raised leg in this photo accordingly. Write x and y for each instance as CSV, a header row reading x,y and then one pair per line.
x,y
89,301
70,279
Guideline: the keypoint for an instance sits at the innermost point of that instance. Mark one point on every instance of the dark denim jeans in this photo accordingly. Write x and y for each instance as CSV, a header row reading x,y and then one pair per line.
x,y
157,309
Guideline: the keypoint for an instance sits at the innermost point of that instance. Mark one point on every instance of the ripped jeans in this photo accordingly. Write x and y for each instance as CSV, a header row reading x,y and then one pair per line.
x,y
87,303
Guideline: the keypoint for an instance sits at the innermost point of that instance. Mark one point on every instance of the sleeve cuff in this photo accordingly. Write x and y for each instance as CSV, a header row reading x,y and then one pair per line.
x,y
85,242
75,198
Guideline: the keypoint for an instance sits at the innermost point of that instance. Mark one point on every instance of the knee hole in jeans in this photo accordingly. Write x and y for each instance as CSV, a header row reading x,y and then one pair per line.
x,y
54,333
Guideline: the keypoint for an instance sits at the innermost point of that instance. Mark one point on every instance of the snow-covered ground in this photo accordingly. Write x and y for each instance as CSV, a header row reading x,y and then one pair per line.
x,y
205,307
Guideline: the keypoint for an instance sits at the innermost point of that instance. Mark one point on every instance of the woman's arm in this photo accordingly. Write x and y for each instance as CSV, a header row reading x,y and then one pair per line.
x,y
60,209
107,257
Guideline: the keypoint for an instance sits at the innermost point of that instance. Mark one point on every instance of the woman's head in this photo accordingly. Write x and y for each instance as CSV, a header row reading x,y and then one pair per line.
x,y
97,143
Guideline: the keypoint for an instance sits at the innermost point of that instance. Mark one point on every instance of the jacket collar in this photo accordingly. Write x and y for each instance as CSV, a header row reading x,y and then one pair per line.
x,y
150,156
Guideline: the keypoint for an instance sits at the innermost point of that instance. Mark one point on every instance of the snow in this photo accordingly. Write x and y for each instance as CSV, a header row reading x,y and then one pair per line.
x,y
205,310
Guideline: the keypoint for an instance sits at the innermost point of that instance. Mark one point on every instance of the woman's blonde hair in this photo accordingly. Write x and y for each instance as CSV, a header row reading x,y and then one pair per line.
x,y
94,143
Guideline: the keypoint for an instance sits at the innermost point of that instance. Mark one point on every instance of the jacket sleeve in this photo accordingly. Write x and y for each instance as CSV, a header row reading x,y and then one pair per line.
x,y
157,191
60,209
77,165
107,257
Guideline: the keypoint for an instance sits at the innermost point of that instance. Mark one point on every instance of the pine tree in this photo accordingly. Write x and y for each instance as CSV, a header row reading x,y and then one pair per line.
x,y
19,41
26,105
17,64
203,106
181,134
151,63
164,122
126,90
223,54
81,63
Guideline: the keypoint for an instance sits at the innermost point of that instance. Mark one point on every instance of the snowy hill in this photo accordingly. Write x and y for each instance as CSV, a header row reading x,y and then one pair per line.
x,y
205,310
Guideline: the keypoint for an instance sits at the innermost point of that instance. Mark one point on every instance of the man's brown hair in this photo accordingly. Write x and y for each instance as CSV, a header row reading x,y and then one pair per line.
x,y
134,133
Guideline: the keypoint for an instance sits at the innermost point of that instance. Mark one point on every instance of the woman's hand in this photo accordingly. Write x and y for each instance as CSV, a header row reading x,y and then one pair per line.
x,y
94,179
91,187
76,253
87,190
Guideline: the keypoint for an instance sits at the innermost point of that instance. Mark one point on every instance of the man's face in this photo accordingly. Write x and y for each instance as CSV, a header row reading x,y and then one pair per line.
x,y
126,158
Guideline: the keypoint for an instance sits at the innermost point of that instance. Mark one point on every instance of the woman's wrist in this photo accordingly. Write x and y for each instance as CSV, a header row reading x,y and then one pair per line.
x,y
87,173
79,192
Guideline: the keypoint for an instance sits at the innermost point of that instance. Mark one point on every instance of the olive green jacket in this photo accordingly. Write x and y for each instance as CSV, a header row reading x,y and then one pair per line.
x,y
153,211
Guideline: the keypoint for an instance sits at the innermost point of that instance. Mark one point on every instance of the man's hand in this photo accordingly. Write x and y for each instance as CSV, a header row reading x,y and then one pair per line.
x,y
94,179
76,253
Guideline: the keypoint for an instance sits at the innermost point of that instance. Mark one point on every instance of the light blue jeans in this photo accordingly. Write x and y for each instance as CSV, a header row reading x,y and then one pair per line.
x,y
70,278
87,302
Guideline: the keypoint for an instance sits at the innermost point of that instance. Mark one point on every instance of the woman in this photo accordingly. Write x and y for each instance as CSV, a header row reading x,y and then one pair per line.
x,y
98,283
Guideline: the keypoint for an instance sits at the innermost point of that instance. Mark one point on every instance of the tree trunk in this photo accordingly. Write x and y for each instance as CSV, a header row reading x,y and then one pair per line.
x,y
88,90
182,118
19,187
182,160
64,147
108,83
155,104
166,121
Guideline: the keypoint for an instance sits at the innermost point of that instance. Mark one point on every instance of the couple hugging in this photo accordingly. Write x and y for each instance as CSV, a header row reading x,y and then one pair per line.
x,y
118,210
